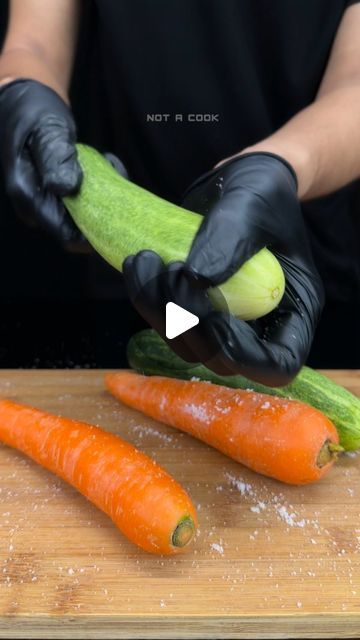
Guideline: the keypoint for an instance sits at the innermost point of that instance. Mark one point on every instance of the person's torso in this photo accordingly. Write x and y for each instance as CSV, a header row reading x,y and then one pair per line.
x,y
185,83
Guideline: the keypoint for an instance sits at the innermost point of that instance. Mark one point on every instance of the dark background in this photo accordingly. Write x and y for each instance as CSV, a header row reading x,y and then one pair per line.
x,y
54,313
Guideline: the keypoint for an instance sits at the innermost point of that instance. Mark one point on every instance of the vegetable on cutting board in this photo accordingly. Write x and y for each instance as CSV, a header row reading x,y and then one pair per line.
x,y
149,354
144,501
280,438
120,218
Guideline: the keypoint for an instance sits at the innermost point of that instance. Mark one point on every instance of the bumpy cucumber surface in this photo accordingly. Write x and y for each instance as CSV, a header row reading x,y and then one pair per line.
x,y
120,218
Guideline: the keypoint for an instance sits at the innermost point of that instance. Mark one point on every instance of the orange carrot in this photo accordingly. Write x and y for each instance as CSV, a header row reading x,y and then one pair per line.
x,y
280,438
149,507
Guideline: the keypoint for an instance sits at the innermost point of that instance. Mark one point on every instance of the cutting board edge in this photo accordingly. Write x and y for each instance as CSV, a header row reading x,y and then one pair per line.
x,y
155,627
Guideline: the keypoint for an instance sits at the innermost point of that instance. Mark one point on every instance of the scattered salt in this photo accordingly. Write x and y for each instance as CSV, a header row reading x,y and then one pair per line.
x,y
276,501
142,430
241,486
217,547
289,518
351,454
260,506
198,411
223,410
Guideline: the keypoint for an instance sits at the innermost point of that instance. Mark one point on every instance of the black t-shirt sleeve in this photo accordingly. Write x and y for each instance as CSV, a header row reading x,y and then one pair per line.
x,y
348,3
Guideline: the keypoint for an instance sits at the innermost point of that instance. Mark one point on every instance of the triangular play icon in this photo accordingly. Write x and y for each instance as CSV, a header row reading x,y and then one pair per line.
x,y
178,320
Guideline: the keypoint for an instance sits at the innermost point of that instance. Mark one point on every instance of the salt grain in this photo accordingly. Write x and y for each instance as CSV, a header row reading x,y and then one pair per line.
x,y
217,547
260,506
142,430
266,405
289,518
198,411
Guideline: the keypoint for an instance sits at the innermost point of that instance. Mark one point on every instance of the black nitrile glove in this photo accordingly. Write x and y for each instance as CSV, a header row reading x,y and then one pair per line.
x,y
249,202
117,164
38,156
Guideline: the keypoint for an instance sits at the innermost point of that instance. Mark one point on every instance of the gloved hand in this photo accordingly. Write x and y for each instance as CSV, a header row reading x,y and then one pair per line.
x,y
38,156
248,203
117,164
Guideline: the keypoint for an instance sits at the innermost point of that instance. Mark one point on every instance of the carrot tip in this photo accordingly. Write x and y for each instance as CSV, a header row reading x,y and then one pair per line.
x,y
328,453
184,532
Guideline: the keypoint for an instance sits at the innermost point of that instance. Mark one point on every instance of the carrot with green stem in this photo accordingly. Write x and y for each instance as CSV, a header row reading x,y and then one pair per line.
x,y
144,501
280,438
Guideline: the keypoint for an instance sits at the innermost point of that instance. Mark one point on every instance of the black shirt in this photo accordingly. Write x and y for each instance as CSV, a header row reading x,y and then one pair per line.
x,y
177,85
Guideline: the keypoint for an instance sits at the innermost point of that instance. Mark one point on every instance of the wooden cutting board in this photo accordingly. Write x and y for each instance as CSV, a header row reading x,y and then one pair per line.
x,y
271,560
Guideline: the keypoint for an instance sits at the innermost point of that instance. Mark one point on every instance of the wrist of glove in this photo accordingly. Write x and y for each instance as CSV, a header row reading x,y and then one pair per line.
x,y
38,156
248,203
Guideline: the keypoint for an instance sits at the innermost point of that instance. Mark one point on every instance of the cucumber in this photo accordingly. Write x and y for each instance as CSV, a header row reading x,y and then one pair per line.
x,y
149,354
120,218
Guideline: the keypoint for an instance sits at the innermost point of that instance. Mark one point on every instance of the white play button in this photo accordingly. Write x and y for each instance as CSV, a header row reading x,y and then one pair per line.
x,y
178,320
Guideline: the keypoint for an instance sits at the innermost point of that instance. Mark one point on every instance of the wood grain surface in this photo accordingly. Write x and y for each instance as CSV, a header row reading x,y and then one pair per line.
x,y
271,561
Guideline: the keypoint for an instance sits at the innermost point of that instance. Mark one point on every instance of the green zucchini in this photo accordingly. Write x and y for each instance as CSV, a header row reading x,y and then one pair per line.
x,y
149,354
120,218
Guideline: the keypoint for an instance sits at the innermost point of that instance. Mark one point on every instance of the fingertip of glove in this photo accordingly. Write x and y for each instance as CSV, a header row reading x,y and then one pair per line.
x,y
148,259
117,164
65,181
175,266
127,265
196,278
144,262
148,254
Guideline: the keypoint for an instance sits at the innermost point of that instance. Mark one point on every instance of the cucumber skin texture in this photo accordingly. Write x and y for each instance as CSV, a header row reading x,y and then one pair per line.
x,y
120,218
150,355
